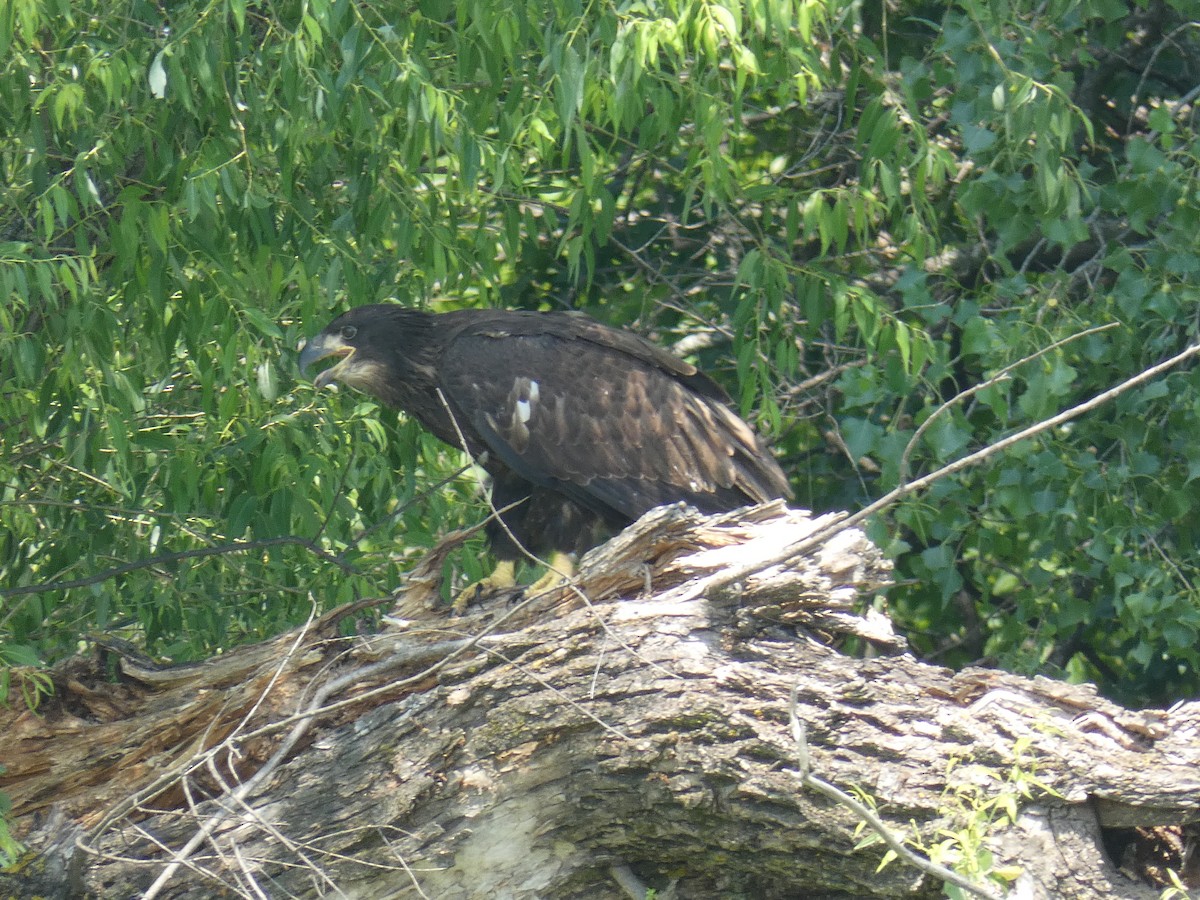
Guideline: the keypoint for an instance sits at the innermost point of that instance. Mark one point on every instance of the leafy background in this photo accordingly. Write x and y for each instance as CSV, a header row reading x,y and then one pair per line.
x,y
847,212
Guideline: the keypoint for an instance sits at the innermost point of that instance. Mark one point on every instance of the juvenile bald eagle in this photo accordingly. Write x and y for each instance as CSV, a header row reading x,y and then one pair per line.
x,y
583,426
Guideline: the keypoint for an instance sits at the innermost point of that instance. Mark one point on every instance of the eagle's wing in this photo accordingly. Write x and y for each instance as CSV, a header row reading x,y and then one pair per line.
x,y
604,425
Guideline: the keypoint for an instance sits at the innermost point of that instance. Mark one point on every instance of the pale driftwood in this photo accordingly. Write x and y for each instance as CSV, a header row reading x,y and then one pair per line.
x,y
584,748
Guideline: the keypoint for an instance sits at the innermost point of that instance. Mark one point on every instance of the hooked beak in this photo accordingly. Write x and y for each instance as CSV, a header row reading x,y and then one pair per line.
x,y
321,347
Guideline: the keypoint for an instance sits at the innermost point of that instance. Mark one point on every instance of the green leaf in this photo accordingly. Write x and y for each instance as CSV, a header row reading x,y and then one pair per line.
x,y
157,76
262,322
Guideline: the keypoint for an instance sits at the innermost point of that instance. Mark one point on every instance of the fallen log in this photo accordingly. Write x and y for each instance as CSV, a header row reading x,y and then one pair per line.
x,y
628,732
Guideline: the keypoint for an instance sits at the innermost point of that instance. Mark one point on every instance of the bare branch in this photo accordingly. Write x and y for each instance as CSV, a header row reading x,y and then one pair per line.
x,y
843,521
868,815
164,558
1002,375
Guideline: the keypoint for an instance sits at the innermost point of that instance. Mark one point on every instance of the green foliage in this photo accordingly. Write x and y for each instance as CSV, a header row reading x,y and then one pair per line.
x,y
978,803
848,212
982,802
10,848
1176,890
1072,554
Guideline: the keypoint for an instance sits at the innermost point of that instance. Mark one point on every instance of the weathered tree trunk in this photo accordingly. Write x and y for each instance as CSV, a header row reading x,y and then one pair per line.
x,y
633,733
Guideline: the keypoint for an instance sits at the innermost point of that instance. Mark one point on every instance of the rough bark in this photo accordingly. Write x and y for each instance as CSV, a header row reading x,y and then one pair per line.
x,y
635,732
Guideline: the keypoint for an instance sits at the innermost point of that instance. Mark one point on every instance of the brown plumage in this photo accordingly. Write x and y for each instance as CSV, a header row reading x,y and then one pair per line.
x,y
587,426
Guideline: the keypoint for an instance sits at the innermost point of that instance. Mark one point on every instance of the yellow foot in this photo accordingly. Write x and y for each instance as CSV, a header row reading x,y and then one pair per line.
x,y
560,571
503,577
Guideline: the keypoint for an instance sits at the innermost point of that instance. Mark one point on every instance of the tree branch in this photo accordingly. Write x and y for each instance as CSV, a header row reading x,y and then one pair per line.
x,y
163,558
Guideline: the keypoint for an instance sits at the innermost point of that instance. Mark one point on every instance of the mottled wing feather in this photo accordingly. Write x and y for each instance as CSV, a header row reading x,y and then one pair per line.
x,y
609,428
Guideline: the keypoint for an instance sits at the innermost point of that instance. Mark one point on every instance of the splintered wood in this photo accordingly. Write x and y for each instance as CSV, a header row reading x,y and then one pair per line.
x,y
628,728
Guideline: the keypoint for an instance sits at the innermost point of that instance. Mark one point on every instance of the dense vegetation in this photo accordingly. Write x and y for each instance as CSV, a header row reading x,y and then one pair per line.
x,y
848,212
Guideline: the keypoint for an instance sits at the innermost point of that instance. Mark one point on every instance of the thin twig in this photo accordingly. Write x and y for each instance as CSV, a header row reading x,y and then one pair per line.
x,y
198,553
868,815
1137,91
209,825
972,391
843,521
444,652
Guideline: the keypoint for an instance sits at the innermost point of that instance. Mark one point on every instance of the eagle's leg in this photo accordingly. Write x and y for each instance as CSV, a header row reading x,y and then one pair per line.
x,y
560,571
503,577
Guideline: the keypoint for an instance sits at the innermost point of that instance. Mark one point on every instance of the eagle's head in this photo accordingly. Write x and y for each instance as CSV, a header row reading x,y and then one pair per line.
x,y
369,343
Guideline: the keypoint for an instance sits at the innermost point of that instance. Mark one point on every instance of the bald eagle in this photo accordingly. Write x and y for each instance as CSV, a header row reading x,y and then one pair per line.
x,y
581,426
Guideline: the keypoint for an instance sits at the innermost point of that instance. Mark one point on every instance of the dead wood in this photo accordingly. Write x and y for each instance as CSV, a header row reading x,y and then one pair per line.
x,y
587,744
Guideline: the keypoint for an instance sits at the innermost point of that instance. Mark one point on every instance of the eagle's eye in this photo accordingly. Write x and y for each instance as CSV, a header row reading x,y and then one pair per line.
x,y
348,332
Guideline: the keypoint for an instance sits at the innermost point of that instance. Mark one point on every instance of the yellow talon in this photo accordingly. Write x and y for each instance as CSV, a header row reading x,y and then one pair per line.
x,y
503,578
560,571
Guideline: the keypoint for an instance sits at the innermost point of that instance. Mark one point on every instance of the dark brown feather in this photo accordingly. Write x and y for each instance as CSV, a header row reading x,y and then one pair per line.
x,y
588,425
